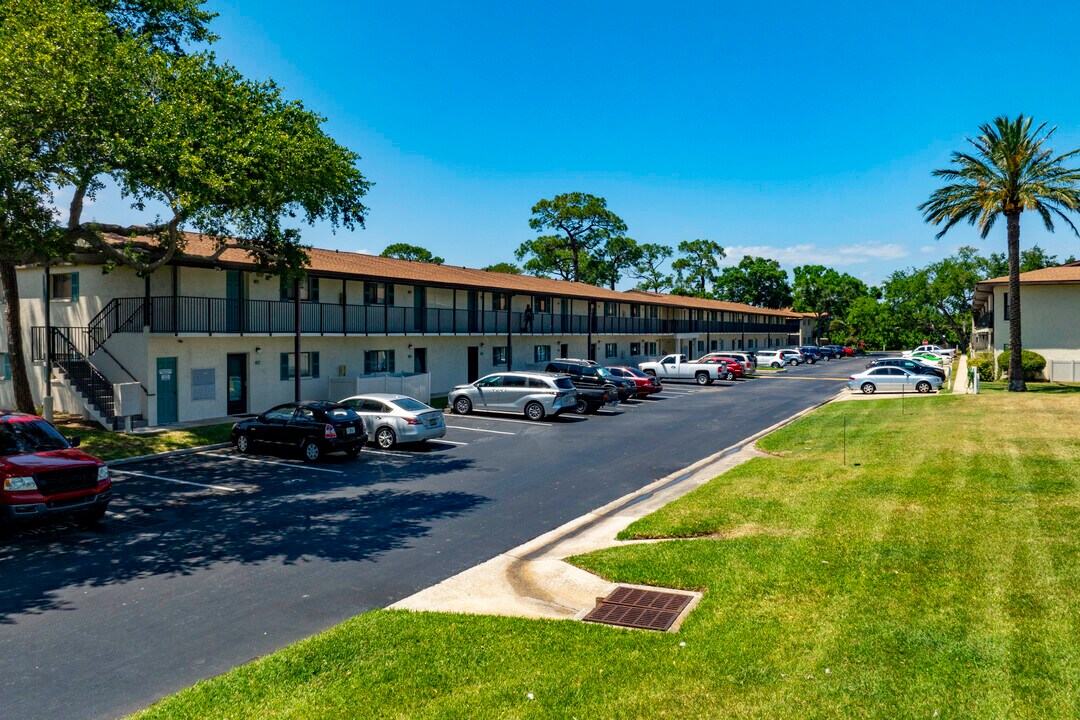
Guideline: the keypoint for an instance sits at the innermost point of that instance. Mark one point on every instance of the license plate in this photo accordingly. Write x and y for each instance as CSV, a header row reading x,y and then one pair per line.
x,y
433,422
350,431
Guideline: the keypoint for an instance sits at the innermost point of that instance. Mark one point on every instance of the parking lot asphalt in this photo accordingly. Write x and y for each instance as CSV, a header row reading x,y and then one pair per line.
x,y
208,560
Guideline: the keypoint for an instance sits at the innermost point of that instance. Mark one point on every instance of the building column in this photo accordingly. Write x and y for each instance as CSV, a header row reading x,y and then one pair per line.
x,y
296,339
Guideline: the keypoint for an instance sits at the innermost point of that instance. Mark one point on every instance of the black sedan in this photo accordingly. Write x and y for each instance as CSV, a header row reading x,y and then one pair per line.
x,y
314,427
912,365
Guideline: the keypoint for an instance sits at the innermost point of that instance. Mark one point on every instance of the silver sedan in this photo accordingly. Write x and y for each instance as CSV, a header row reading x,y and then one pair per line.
x,y
893,379
392,419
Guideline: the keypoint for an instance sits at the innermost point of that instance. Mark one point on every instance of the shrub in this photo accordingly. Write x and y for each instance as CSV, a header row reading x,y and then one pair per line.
x,y
1032,362
983,363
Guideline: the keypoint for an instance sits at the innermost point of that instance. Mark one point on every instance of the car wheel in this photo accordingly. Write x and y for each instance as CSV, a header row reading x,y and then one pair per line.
x,y
581,407
650,373
312,451
730,376
534,411
243,443
92,517
774,364
702,378
385,438
868,388
462,406
811,361
923,387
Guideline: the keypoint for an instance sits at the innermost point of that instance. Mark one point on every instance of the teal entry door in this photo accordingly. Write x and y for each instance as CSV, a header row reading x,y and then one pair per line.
x,y
166,390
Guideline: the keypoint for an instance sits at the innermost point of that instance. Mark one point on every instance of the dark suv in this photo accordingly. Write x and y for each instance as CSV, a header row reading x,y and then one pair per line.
x,y
584,374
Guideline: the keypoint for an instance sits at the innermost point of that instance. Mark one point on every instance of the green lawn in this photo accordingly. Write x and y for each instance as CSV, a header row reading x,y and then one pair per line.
x,y
109,445
936,574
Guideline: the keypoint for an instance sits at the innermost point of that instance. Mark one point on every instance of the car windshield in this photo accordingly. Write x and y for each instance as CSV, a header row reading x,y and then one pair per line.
x,y
410,405
29,436
604,372
564,383
635,373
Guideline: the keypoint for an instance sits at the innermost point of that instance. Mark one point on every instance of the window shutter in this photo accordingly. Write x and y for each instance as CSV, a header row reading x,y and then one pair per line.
x,y
284,366
313,295
390,361
369,294
368,362
389,293
74,286
314,364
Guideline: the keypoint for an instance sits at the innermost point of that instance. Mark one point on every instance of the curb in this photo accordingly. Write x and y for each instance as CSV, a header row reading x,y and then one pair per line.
x,y
167,453
580,524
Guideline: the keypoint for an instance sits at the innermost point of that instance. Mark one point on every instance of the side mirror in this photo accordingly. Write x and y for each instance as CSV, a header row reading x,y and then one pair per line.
x,y
74,441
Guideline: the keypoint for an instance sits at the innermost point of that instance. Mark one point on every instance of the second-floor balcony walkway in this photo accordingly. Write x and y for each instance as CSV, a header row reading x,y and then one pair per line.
x,y
223,316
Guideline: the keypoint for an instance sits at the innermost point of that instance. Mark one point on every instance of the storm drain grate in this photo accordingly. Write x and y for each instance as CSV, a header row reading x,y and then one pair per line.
x,y
636,608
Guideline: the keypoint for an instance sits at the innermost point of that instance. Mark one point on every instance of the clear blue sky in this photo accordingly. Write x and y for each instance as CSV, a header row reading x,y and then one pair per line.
x,y
800,131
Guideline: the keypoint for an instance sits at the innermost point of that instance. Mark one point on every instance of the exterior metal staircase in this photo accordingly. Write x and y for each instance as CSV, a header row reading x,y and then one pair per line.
x,y
71,350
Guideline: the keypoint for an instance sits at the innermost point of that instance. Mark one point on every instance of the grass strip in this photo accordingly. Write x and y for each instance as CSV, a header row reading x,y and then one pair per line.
x,y
109,445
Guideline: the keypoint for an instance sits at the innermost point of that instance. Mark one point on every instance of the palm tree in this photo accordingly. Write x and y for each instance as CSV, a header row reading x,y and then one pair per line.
x,y
1009,172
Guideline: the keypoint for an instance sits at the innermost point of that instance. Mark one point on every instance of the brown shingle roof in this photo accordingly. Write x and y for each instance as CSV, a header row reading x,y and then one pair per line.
x,y
1068,273
358,265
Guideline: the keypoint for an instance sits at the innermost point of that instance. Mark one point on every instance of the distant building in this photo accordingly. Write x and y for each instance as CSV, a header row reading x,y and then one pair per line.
x,y
1050,318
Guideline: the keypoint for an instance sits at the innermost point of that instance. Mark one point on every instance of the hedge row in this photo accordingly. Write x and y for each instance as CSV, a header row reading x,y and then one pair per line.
x,y
1032,362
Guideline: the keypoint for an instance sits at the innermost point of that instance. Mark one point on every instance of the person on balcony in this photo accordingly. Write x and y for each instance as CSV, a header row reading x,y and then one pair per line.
x,y
526,319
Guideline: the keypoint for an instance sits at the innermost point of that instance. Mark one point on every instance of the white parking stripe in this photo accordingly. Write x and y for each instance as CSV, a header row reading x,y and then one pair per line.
x,y
178,482
497,432
485,418
245,458
393,453
451,442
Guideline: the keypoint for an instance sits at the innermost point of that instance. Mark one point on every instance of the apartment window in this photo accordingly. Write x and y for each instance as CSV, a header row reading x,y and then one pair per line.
x,y
650,348
542,303
701,346
635,311
309,365
635,349
653,312
751,343
499,301
1005,297
713,346
611,350
498,355
309,289
377,293
718,344
541,353
5,366
377,361
611,309
64,287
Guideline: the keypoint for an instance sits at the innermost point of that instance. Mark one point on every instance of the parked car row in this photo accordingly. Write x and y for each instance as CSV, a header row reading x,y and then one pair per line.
x,y
920,370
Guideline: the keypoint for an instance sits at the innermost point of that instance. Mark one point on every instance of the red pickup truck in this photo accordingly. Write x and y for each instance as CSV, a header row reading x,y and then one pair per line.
x,y
43,474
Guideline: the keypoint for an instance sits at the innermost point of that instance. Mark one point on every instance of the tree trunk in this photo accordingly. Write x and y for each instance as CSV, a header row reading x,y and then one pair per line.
x,y
24,399
1016,348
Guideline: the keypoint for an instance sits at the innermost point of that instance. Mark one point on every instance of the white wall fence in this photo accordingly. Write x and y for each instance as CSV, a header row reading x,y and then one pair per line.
x,y
1063,370
415,385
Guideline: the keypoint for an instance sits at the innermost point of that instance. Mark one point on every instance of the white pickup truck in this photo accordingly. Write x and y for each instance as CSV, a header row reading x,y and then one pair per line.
x,y
675,367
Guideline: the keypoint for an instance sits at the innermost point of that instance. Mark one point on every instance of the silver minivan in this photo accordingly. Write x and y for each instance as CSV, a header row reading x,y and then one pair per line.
x,y
534,394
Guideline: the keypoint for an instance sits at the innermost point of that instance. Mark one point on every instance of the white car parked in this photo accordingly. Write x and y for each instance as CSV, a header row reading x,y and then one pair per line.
x,y
770,358
391,419
948,353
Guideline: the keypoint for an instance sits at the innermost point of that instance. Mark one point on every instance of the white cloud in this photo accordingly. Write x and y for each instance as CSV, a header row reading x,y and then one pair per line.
x,y
811,254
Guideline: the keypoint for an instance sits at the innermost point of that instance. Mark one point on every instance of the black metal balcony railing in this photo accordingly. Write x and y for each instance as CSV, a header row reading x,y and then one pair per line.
x,y
221,316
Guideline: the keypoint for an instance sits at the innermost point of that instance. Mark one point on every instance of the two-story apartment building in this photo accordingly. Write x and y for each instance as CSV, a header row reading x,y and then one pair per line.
x,y
1050,317
207,338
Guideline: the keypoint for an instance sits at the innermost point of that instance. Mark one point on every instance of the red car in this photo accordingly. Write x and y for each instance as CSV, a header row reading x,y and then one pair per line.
x,y
646,384
848,352
735,368
43,474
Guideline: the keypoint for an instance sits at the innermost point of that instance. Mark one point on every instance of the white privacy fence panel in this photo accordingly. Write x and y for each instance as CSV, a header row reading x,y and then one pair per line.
x,y
415,385
1065,370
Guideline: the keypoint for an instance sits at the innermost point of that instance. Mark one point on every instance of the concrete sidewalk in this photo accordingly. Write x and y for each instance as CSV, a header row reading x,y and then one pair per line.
x,y
960,382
